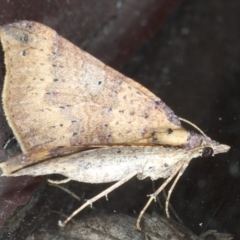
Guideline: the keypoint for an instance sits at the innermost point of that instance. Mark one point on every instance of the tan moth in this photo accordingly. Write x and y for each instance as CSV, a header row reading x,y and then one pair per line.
x,y
109,127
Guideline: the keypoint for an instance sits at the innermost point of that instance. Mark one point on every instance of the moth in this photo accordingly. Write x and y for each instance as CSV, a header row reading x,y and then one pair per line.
x,y
75,116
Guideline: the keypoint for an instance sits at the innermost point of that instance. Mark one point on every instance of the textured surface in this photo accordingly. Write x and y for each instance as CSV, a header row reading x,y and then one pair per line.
x,y
119,227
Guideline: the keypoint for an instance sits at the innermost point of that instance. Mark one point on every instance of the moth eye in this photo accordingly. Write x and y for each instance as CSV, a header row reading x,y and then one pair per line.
x,y
169,131
207,152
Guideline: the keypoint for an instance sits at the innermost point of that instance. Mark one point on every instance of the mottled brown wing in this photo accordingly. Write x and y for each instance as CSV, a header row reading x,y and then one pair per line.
x,y
55,94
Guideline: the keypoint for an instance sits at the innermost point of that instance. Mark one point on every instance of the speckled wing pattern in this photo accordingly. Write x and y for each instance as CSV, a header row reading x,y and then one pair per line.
x,y
55,94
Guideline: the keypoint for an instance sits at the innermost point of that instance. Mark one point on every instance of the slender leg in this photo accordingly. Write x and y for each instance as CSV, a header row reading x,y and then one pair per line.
x,y
65,190
92,200
181,171
153,196
172,209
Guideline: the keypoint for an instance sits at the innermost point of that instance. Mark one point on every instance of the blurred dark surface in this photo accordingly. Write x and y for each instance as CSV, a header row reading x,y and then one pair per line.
x,y
192,63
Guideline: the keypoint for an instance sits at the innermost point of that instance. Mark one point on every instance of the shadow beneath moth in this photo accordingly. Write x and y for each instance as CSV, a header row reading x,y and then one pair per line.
x,y
110,127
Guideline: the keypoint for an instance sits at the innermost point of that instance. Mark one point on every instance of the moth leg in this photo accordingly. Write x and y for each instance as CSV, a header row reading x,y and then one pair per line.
x,y
181,171
60,181
157,199
154,195
171,208
65,190
92,200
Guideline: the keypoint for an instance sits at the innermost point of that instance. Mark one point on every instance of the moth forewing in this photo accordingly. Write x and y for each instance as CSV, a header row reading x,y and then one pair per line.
x,y
69,91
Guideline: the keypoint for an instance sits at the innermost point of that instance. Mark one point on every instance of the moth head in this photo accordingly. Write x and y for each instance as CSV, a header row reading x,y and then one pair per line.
x,y
210,151
206,145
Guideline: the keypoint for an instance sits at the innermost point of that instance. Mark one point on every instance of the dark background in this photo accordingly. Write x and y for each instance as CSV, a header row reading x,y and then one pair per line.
x,y
186,52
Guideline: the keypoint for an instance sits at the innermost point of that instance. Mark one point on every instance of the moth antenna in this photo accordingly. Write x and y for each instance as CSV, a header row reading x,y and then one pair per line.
x,y
7,143
193,125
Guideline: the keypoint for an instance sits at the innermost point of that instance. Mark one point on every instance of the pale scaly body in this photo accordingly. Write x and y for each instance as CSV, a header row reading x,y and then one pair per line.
x,y
111,164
